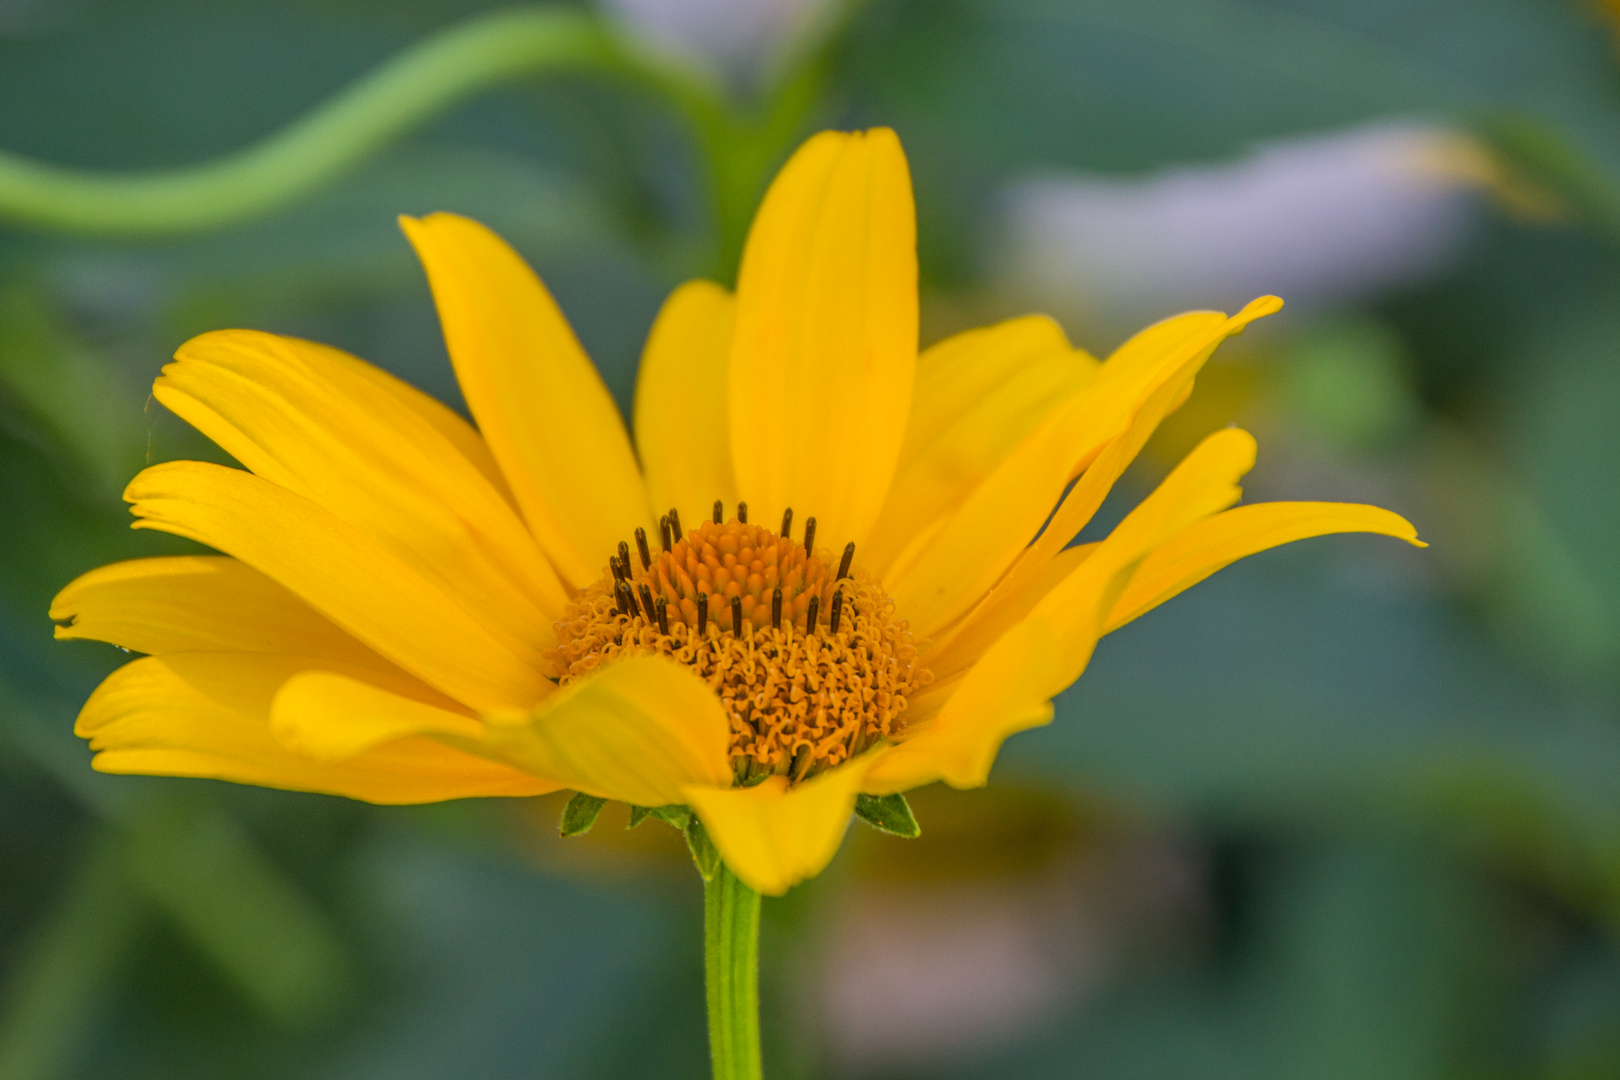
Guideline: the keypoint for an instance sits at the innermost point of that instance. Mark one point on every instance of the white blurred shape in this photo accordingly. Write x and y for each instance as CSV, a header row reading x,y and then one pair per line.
x,y
918,980
1318,220
740,38
920,975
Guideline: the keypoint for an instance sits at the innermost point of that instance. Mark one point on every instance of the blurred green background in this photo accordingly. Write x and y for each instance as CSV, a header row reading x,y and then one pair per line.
x,y
1345,810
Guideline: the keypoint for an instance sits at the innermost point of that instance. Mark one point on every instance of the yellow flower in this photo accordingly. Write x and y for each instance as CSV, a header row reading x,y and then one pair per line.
x,y
407,609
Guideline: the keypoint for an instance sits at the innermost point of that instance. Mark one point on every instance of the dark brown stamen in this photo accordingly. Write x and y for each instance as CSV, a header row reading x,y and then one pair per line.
x,y
810,536
621,593
661,607
787,523
663,533
624,558
675,525
837,611
776,609
810,616
647,603
641,546
703,612
843,564
719,512
742,512
736,616
613,564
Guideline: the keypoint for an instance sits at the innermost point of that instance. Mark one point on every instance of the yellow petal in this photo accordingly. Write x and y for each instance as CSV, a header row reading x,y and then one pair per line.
x,y
197,603
939,582
309,418
949,569
1207,546
955,376
1204,483
1009,690
1006,606
773,836
353,581
207,715
444,420
1010,686
978,395
1159,354
638,730
1132,392
682,429
1144,380
331,717
1031,576
825,348
541,405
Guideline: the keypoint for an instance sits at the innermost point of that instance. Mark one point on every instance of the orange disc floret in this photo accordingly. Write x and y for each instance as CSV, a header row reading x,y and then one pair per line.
x,y
808,659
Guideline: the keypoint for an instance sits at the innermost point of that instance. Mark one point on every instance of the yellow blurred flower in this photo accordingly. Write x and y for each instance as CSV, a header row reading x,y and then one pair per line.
x,y
408,609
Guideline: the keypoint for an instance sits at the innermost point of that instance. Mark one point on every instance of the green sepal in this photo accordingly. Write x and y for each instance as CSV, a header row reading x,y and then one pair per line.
x,y
697,838
888,813
704,853
673,814
580,814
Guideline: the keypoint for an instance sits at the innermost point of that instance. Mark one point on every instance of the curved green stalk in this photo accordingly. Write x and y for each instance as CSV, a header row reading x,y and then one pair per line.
x,y
401,94
731,973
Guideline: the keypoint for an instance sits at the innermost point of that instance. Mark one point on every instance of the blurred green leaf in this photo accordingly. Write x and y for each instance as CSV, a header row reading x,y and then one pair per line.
x,y
500,971
1549,157
346,242
198,867
1127,84
1365,963
1346,382
1577,1019
1274,695
1558,422
78,399
1382,967
1534,589
401,94
68,967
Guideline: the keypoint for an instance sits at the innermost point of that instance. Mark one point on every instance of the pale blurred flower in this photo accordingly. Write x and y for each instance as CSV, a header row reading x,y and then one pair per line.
x,y
1315,220
743,39
919,974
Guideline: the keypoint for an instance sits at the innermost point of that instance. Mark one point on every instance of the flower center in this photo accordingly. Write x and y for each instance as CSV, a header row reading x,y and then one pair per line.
x,y
807,658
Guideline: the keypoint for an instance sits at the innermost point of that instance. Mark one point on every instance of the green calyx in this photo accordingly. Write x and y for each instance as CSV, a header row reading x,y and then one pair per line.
x,y
580,814
582,810
888,813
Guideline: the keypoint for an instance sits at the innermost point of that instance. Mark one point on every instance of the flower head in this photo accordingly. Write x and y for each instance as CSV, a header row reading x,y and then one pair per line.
x,y
828,566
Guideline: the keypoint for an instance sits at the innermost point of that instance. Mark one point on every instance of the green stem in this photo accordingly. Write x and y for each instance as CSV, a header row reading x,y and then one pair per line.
x,y
731,971
403,93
